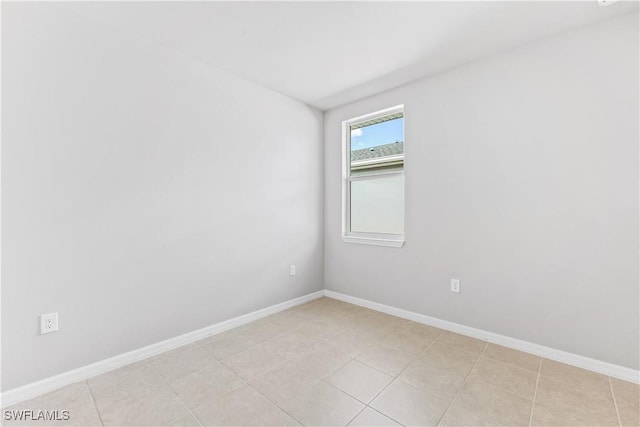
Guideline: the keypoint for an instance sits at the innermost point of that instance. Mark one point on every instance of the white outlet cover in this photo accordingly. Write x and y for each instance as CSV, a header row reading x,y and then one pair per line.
x,y
455,285
48,323
292,270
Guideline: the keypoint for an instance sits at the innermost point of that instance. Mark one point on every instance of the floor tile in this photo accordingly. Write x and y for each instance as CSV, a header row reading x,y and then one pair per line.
x,y
386,359
331,303
627,397
290,345
215,337
576,377
227,346
137,378
385,319
512,357
376,320
75,398
359,380
372,418
349,342
370,316
185,421
510,378
494,404
135,395
319,330
446,355
404,341
420,330
560,404
440,368
139,407
458,415
368,329
313,311
288,320
323,405
170,353
320,361
625,391
411,406
243,406
341,352
187,362
359,312
629,414
197,388
284,382
261,330
461,342
339,320
254,361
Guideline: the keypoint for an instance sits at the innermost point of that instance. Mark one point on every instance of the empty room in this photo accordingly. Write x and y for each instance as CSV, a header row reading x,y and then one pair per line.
x,y
320,213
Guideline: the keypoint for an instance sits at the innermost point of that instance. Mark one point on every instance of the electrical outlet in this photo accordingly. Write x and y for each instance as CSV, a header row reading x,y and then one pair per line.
x,y
455,285
48,323
292,270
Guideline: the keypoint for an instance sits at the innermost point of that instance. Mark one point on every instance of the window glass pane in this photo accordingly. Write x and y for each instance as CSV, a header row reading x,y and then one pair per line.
x,y
378,146
377,205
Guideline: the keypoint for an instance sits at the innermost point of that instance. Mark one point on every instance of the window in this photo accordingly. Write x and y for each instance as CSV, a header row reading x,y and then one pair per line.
x,y
373,178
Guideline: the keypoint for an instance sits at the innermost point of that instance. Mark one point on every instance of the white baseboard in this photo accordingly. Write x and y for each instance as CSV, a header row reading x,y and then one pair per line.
x,y
29,391
615,371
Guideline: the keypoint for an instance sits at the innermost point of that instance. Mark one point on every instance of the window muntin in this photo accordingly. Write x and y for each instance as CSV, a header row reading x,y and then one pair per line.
x,y
374,177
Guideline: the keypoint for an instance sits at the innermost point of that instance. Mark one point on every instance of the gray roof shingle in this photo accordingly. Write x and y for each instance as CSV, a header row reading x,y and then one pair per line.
x,y
393,149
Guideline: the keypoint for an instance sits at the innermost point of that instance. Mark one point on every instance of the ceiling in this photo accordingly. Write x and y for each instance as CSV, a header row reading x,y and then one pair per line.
x,y
329,53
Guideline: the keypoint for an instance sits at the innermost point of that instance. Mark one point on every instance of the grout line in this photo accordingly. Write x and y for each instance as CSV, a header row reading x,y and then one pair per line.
x,y
247,382
385,415
179,398
398,376
376,369
93,400
613,395
221,396
536,372
463,383
506,365
354,358
275,404
413,359
535,393
356,415
321,379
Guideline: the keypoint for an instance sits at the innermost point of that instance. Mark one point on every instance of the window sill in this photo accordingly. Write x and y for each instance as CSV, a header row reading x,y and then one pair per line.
x,y
394,243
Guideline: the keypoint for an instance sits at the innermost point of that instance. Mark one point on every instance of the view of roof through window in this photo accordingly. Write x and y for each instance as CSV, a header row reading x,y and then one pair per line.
x,y
378,145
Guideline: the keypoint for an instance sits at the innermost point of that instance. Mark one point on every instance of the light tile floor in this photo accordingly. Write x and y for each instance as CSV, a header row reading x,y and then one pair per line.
x,y
331,363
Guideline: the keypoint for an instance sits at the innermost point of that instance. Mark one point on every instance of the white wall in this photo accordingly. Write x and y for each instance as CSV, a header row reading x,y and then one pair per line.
x,y
144,195
521,176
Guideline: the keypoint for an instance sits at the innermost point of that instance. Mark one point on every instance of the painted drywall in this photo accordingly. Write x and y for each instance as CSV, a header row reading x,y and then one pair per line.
x,y
144,195
521,176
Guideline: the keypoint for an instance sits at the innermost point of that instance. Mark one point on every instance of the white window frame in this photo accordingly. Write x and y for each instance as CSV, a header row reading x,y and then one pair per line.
x,y
379,239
